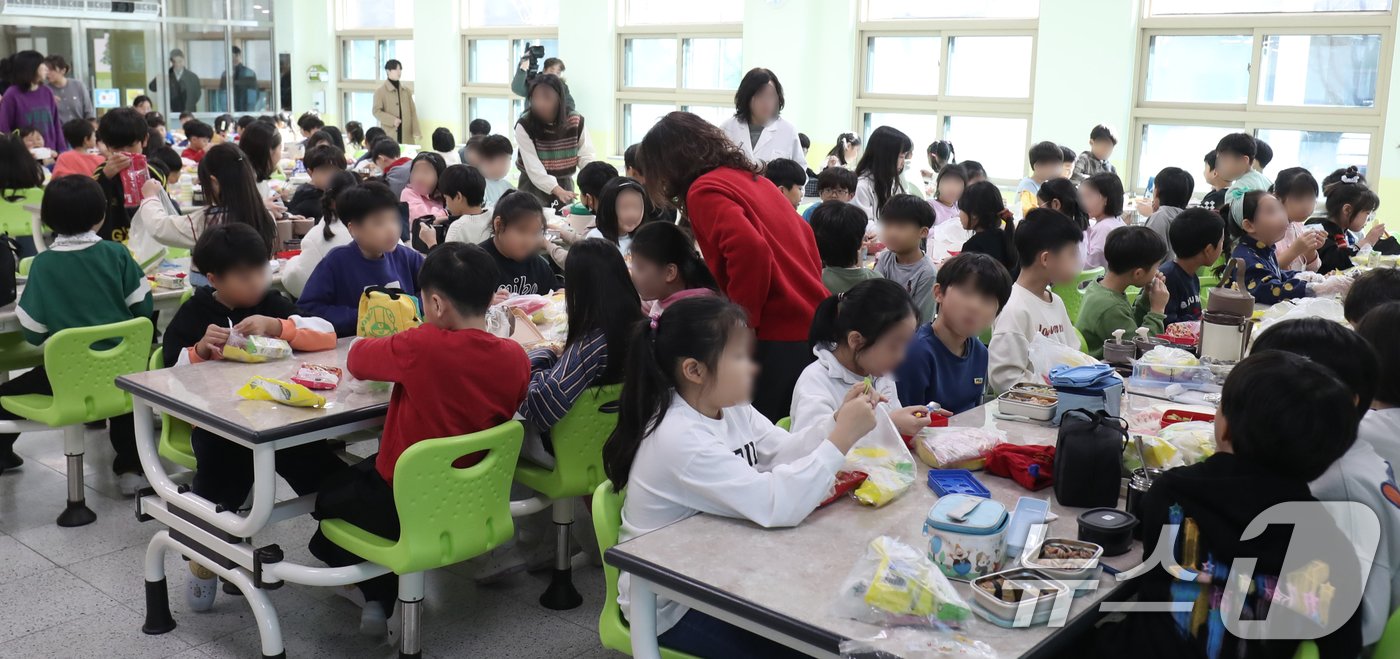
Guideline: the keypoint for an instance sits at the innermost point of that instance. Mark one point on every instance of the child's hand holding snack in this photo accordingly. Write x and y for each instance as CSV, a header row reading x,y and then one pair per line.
x,y
212,345
258,326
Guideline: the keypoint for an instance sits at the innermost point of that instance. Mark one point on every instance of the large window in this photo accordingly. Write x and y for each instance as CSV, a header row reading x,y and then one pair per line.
x,y
955,72
370,33
668,61
496,36
1302,75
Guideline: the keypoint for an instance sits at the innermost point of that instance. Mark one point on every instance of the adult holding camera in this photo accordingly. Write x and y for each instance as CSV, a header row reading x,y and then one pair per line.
x,y
530,67
552,142
394,107
756,126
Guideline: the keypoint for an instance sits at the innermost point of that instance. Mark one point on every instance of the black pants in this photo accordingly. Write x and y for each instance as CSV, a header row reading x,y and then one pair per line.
x,y
780,364
225,471
358,495
121,429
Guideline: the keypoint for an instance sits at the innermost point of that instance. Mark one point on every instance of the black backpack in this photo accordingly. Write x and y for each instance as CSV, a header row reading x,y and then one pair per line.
x,y
9,269
1089,459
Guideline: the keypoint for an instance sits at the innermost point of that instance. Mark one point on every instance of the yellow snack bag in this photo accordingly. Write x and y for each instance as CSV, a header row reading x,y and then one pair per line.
x,y
277,391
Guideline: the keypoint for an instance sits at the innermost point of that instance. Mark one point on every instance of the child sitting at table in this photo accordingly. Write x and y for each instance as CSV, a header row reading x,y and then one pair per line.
x,y
1360,474
450,376
374,257
393,167
947,363
82,158
982,211
1234,162
1047,246
688,441
905,221
1298,190
517,236
463,192
326,234
1350,205
321,162
1134,255
666,268
1101,197
1197,238
1369,290
948,190
1171,193
839,229
234,258
591,179
1261,223
124,132
1047,162
858,337
789,177
1268,448
81,281
494,155
621,209
421,192
199,135
834,183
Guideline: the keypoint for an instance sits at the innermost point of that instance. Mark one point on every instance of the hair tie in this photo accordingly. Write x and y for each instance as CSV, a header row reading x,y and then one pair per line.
x,y
654,321
1353,178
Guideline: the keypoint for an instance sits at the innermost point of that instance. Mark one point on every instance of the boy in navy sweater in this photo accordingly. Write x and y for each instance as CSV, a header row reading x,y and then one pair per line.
x,y
1197,236
375,258
947,363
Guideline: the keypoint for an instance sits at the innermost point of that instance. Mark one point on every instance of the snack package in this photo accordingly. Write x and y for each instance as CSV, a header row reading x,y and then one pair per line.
x,y
317,376
956,448
169,280
883,457
277,391
255,349
893,584
133,178
845,482
1046,354
1162,359
1158,453
1193,440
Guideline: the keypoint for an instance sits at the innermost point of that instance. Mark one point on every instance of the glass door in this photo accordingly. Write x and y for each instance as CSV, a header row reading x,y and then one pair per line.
x,y
123,62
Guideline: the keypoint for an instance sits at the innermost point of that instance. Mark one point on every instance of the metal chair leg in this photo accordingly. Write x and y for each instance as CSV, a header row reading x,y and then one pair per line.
x,y
561,594
411,615
76,513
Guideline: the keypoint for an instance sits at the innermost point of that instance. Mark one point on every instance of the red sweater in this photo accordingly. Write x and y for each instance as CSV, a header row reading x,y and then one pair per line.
x,y
446,383
762,254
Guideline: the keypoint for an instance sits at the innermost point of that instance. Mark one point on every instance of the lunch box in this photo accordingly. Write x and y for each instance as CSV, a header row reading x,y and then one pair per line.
x,y
971,547
1022,402
1109,528
1065,569
1003,613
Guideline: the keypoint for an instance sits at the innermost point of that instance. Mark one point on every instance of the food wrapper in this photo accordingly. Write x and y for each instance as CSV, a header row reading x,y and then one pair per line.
x,y
1162,359
1187,331
255,349
845,482
277,391
883,457
1046,354
895,584
1157,452
169,280
885,485
317,376
1193,440
956,448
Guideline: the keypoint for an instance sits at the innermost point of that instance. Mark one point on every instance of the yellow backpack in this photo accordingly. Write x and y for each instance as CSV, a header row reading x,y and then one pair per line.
x,y
386,311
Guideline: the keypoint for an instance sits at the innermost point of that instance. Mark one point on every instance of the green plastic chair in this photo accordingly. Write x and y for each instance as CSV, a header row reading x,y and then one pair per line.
x,y
612,626
83,378
14,219
17,353
578,469
24,265
1308,650
1209,280
174,433
446,515
1073,294
785,423
1388,646
1083,344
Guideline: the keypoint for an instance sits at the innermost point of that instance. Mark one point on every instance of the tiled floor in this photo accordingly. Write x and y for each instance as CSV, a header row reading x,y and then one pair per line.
x,y
78,592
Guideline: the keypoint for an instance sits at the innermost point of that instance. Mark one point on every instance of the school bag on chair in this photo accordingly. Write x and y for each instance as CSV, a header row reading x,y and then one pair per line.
x,y
1089,458
386,311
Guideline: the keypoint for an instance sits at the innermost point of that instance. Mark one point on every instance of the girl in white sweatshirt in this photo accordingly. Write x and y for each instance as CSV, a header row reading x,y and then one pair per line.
x,y
688,441
859,335
327,234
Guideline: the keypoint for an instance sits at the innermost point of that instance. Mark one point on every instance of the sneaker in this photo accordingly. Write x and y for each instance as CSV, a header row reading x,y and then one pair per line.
x,y
200,592
129,482
10,460
373,620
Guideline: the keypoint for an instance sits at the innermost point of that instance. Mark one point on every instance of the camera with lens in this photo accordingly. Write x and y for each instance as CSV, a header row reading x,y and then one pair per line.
x,y
534,53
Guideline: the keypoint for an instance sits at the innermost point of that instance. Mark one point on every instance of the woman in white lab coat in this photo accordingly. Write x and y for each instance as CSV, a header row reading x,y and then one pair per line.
x,y
756,126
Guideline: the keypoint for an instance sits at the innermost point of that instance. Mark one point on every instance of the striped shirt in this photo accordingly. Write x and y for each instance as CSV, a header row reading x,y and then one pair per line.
x,y
556,382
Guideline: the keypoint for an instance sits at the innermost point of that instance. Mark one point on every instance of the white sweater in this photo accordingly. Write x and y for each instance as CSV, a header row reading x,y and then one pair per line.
x,y
1025,314
866,199
822,387
314,247
740,465
474,229
1382,429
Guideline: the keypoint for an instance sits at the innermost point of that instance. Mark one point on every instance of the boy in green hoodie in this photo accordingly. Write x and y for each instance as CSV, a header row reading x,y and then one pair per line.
x,y
1133,255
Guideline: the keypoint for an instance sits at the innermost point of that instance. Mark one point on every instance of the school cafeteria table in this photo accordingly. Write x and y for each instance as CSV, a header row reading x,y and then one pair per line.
x,y
164,298
204,395
781,583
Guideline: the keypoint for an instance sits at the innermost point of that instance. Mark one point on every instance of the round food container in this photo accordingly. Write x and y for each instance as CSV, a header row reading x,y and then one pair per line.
x,y
966,536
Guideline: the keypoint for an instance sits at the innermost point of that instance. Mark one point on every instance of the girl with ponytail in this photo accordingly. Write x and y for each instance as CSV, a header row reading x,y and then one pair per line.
x,y
688,441
666,268
327,234
1350,204
858,336
845,153
983,211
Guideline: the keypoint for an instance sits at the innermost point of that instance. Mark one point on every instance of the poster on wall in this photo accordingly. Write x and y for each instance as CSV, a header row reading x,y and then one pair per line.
x,y
106,98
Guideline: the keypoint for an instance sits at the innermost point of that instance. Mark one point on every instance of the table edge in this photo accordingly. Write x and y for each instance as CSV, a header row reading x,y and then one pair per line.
x,y
203,419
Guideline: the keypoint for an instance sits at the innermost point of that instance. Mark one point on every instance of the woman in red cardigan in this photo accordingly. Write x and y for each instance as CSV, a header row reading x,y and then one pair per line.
x,y
762,254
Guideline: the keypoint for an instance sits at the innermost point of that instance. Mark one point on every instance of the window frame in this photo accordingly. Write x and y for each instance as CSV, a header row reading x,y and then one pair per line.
x,y
494,90
679,96
1252,115
942,105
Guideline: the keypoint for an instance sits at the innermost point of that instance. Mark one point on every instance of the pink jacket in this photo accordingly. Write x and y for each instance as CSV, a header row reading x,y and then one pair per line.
x,y
420,205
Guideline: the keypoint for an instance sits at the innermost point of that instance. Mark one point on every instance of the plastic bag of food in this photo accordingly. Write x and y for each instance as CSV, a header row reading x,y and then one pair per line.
x,y
255,349
1167,362
885,460
1159,454
277,391
845,482
1047,354
1308,307
911,643
1193,440
527,303
317,376
956,448
895,584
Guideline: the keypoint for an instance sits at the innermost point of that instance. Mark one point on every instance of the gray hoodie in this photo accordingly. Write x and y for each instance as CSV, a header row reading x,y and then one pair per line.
x,y
74,102
1160,222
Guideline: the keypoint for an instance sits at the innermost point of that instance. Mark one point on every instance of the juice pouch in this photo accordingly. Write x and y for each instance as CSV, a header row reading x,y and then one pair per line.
x,y
133,178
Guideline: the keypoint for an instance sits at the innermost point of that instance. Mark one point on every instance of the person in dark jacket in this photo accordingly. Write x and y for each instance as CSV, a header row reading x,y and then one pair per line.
x,y
185,89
